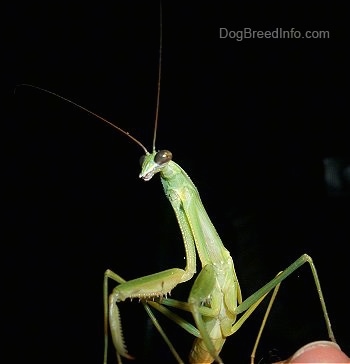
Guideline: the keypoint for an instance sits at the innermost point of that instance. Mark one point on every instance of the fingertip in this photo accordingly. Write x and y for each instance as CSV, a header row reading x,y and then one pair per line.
x,y
320,352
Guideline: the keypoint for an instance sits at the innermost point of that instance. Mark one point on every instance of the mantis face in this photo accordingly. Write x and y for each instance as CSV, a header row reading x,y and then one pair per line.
x,y
153,163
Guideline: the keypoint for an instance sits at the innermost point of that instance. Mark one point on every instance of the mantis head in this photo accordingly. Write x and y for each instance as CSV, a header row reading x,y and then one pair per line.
x,y
152,163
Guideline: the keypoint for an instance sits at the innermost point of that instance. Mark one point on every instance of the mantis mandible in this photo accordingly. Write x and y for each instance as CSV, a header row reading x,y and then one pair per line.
x,y
215,299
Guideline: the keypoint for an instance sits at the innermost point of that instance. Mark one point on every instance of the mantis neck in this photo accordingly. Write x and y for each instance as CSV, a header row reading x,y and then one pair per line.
x,y
195,224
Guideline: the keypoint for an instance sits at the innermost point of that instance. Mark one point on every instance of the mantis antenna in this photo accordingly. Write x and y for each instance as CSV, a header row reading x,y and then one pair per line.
x,y
107,121
159,77
89,112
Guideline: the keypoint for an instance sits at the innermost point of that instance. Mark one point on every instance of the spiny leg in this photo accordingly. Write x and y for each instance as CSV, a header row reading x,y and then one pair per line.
x,y
109,275
199,294
154,285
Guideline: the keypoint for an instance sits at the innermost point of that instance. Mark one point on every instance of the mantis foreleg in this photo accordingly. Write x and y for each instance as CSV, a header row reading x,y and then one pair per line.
x,y
154,285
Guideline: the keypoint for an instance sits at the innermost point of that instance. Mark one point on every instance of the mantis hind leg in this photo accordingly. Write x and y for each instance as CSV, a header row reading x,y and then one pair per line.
x,y
262,326
274,285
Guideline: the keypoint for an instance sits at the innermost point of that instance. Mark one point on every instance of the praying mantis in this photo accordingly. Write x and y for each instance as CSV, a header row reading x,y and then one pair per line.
x,y
215,299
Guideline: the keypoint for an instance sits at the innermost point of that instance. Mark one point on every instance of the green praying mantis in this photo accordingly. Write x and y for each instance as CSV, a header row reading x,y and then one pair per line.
x,y
215,299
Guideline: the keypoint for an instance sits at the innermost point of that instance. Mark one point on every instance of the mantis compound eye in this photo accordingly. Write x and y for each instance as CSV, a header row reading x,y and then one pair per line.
x,y
162,157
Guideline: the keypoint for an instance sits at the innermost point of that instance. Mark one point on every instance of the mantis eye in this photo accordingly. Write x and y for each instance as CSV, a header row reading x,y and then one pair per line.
x,y
142,158
162,157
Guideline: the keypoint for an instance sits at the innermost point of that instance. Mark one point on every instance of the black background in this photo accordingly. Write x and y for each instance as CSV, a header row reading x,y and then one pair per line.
x,y
250,121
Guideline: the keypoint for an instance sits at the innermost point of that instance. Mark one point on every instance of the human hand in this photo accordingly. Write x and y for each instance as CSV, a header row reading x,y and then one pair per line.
x,y
318,352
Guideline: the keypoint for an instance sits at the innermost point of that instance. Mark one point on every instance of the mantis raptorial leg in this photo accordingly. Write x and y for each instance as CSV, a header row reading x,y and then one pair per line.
x,y
215,299
111,275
